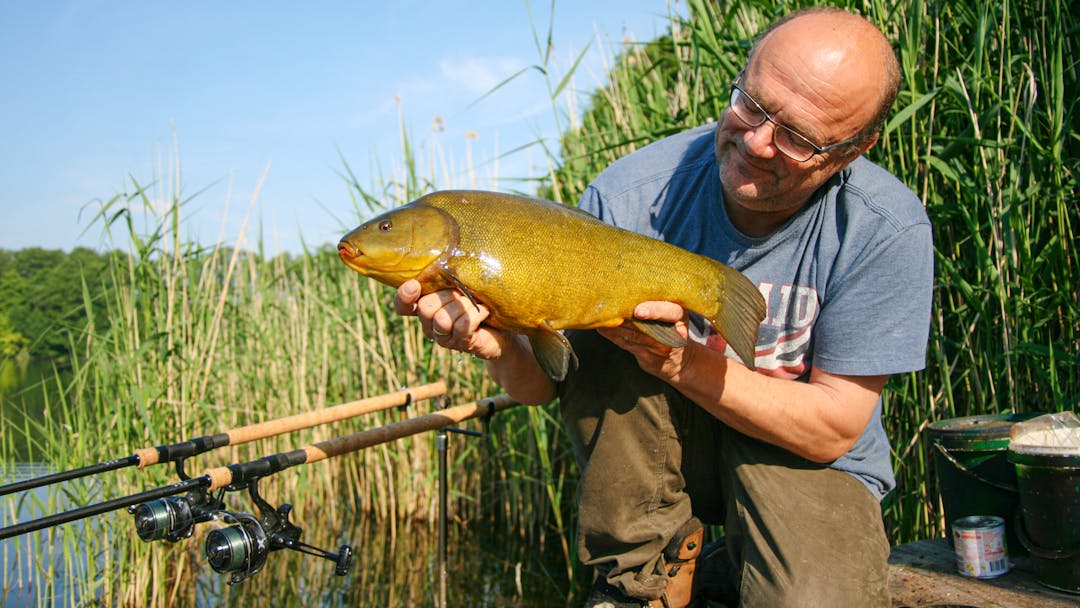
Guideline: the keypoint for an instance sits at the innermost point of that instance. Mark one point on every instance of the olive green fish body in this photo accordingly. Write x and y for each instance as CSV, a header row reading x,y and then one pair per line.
x,y
540,267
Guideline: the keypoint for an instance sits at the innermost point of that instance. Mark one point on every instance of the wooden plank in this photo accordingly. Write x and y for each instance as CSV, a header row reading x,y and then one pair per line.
x,y
923,574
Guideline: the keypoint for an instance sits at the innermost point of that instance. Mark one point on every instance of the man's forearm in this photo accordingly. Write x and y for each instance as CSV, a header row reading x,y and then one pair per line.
x,y
819,420
518,373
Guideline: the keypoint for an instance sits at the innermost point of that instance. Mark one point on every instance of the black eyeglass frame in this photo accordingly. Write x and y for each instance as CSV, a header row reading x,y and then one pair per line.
x,y
765,116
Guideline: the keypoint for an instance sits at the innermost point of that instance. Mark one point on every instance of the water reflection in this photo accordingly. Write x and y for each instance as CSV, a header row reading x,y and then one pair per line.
x,y
485,569
393,565
27,386
34,565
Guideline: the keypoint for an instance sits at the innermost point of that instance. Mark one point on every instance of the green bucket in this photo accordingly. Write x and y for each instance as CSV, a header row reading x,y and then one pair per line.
x,y
974,474
1048,523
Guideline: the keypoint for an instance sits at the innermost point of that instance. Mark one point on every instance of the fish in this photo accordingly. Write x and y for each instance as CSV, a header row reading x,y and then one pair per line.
x,y
541,267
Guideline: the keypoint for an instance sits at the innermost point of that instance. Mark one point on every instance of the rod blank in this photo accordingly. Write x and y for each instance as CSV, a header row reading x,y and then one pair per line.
x,y
271,428
45,480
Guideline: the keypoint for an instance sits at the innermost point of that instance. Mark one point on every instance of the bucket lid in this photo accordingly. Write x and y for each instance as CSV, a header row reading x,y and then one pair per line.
x,y
987,426
1054,435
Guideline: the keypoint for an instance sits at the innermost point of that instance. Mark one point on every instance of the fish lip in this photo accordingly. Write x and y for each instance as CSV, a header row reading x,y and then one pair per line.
x,y
346,251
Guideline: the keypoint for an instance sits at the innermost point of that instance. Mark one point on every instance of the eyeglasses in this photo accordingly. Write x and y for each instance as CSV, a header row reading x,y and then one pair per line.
x,y
791,143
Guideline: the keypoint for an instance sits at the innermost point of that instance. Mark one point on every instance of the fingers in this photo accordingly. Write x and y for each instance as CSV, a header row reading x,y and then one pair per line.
x,y
448,317
660,311
629,338
452,320
405,298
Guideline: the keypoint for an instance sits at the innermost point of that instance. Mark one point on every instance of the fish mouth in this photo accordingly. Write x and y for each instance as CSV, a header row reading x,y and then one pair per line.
x,y
347,252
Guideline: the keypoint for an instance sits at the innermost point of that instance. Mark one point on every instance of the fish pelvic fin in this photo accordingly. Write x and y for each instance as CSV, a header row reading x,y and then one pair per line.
x,y
661,331
553,353
742,310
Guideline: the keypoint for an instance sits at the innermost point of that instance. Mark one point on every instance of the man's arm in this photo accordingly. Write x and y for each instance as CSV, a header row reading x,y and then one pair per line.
x,y
819,420
452,320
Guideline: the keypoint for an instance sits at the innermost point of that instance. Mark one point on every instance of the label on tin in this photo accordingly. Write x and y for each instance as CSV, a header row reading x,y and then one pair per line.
x,y
980,546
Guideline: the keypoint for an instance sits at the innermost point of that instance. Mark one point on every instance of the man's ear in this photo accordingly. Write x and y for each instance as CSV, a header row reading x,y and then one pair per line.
x,y
870,143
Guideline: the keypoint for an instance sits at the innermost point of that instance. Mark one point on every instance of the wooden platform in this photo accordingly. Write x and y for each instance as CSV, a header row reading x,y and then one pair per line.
x,y
924,573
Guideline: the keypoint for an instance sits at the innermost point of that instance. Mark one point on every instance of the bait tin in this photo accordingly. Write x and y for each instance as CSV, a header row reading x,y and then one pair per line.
x,y
980,546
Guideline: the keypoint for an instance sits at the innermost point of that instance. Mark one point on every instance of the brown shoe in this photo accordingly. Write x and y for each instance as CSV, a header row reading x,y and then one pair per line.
x,y
681,557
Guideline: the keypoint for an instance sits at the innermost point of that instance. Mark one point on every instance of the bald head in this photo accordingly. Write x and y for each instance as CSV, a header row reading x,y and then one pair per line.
x,y
834,51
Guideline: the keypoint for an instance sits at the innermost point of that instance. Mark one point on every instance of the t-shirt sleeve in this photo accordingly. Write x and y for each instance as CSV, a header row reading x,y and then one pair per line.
x,y
590,202
876,319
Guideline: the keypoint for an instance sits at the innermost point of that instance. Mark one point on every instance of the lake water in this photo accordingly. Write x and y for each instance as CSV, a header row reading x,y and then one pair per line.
x,y
23,396
29,561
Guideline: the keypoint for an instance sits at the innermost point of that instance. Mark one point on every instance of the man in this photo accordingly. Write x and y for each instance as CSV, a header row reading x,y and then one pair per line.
x,y
792,458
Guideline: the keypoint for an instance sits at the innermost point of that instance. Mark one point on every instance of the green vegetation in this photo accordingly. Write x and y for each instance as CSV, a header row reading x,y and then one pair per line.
x,y
174,339
41,298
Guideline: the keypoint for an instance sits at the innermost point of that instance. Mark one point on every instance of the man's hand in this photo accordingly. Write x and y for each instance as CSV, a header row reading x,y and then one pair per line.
x,y
451,319
658,359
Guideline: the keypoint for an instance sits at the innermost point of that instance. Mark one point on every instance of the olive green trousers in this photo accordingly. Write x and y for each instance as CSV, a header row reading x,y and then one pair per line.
x,y
798,533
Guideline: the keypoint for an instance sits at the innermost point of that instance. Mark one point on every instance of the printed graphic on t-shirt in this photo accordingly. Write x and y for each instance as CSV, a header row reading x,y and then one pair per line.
x,y
783,346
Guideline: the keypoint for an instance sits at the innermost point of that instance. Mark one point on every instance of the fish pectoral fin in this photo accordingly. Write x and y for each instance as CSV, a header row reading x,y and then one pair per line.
x,y
661,331
453,280
553,353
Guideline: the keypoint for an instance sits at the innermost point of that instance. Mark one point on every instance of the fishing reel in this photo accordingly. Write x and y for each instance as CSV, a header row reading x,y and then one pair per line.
x,y
173,518
240,548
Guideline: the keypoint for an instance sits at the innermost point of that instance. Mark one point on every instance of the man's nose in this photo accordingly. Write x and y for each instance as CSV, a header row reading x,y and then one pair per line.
x,y
759,140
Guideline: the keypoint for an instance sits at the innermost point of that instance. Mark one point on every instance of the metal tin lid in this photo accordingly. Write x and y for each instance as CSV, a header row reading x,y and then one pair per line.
x,y
989,426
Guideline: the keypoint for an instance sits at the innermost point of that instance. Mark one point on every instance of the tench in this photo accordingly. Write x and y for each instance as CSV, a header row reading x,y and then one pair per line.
x,y
540,267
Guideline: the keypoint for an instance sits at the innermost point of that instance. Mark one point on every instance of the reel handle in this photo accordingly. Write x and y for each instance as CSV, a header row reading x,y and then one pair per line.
x,y
342,560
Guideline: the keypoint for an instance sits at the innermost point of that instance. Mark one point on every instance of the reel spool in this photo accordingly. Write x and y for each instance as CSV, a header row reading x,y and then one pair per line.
x,y
239,549
168,519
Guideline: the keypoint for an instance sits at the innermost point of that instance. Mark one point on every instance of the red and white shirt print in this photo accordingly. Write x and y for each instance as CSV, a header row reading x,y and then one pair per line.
x,y
783,344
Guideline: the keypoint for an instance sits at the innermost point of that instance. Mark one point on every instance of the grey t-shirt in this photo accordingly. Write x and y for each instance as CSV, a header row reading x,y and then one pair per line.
x,y
848,279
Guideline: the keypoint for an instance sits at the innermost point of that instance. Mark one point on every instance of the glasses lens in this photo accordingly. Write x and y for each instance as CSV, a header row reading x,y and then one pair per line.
x,y
791,143
787,141
746,108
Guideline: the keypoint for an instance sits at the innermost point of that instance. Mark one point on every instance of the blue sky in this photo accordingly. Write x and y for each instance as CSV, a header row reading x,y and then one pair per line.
x,y
98,92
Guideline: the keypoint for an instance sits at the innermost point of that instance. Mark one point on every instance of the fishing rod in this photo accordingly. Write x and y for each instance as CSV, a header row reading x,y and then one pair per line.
x,y
240,548
178,452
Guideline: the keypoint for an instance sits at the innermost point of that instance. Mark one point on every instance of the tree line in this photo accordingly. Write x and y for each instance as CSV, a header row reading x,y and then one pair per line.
x,y
47,296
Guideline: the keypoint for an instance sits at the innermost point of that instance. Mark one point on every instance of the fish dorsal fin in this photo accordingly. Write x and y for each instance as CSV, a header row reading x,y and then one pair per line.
x,y
553,353
661,331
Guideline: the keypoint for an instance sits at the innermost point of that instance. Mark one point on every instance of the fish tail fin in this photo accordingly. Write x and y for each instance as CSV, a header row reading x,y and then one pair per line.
x,y
742,310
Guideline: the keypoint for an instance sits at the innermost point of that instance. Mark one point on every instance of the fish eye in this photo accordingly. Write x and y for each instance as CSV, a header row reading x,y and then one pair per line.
x,y
385,226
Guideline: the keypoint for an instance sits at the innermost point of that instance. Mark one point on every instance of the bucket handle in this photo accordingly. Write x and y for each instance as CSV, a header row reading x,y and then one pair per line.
x,y
1037,551
963,468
